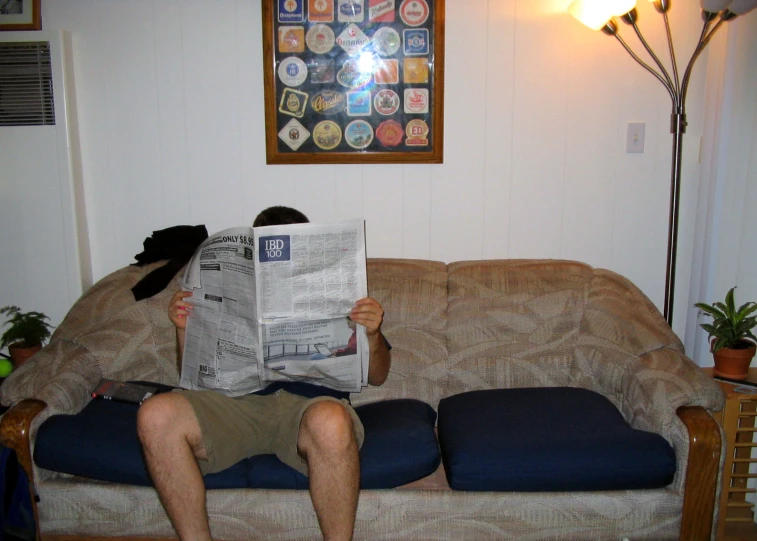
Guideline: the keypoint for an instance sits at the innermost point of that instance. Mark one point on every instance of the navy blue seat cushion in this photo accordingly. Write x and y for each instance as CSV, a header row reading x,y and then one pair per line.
x,y
101,442
400,447
547,439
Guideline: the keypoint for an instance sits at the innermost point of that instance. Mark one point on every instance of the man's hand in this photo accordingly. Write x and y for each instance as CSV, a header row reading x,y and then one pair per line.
x,y
179,309
368,312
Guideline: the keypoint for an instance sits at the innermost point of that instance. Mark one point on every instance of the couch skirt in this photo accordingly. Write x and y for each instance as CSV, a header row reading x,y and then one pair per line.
x,y
92,508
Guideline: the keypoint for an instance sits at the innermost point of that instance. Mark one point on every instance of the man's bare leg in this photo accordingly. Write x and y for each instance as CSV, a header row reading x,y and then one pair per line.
x,y
172,442
327,442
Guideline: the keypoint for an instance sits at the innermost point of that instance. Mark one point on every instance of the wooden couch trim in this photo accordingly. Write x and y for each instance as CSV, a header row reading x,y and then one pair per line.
x,y
702,473
14,434
700,489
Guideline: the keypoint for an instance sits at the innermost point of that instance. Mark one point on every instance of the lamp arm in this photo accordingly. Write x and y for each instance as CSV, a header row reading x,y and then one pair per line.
x,y
704,39
648,68
672,53
668,83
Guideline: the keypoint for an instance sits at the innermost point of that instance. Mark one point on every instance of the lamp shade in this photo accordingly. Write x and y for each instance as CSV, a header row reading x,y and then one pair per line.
x,y
621,7
741,7
715,6
596,13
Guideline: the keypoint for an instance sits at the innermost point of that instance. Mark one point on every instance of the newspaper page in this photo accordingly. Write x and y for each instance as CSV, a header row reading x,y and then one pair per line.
x,y
222,342
278,312
308,278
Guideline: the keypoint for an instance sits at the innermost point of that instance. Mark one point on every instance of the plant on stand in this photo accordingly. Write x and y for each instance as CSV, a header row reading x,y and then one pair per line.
x,y
731,339
25,334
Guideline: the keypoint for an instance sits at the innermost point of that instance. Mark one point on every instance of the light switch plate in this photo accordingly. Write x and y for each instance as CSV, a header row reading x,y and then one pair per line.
x,y
635,137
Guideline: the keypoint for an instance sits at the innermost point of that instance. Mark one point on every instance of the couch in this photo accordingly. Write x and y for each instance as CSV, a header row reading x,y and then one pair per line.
x,y
521,327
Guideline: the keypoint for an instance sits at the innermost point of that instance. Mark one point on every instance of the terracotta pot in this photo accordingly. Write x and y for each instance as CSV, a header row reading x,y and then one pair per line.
x,y
733,363
20,355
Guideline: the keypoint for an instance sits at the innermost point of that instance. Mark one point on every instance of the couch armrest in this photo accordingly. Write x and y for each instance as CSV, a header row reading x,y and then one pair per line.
x,y
62,375
630,352
15,433
655,385
105,334
15,430
702,475
649,389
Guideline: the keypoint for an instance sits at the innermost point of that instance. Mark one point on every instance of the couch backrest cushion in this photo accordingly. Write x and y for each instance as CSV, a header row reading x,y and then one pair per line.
x,y
619,315
413,294
514,323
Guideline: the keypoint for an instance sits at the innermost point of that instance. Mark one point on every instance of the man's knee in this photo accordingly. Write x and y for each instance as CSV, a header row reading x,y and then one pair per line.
x,y
165,415
326,425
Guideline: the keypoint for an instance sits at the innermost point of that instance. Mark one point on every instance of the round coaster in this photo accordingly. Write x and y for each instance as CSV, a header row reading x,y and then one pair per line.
x,y
386,102
390,133
358,134
293,71
327,135
414,12
320,38
386,41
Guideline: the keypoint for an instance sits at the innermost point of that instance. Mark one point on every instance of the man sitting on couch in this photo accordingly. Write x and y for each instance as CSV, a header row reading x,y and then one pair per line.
x,y
187,434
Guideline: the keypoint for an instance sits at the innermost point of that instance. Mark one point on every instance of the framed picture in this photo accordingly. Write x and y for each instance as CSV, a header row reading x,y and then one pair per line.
x,y
353,81
20,15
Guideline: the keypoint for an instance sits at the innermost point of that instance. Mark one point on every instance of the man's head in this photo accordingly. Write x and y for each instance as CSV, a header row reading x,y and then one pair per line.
x,y
279,215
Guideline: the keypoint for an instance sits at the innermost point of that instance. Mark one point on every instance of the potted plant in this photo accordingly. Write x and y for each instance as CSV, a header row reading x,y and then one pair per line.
x,y
731,339
26,333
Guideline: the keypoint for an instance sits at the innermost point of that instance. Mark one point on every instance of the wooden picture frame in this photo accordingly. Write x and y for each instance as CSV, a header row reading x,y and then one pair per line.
x,y
20,15
353,81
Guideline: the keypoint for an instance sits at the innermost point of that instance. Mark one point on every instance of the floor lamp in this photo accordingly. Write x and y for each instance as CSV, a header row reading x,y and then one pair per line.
x,y
600,15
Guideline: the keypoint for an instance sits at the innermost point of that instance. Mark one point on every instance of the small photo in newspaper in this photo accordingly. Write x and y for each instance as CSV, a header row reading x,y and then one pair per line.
x,y
314,349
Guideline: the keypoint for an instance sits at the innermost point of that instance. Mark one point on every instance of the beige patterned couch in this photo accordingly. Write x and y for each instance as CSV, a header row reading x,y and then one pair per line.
x,y
456,327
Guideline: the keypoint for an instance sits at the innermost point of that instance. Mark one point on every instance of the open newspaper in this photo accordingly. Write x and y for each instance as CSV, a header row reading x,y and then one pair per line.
x,y
271,304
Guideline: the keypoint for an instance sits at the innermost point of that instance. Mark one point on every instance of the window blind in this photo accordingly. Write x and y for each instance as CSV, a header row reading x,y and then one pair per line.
x,y
26,84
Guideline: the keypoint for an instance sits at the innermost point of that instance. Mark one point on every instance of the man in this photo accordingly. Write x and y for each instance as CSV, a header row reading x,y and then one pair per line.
x,y
187,434
351,347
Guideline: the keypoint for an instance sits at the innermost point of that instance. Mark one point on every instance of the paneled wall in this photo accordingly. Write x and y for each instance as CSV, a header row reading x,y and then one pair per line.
x,y
725,243
170,100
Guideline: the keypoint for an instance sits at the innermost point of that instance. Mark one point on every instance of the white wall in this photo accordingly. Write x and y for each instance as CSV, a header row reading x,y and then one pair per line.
x,y
726,246
171,114
39,265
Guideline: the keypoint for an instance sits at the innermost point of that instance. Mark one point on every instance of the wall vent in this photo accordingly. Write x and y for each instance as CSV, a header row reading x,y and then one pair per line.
x,y
26,84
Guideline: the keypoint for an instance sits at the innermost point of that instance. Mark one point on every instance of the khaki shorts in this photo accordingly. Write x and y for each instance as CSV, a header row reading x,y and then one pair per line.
x,y
245,426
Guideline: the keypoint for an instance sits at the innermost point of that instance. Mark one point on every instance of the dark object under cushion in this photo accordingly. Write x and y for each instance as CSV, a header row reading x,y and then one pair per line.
x,y
547,439
101,442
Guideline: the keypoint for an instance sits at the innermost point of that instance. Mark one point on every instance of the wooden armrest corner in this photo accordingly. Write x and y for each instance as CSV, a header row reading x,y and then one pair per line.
x,y
702,473
15,430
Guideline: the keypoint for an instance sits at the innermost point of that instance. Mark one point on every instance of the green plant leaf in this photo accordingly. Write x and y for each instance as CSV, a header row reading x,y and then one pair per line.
x,y
26,329
711,310
745,310
729,301
729,326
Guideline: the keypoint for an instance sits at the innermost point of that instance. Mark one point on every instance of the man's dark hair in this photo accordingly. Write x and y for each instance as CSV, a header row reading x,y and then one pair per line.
x,y
279,215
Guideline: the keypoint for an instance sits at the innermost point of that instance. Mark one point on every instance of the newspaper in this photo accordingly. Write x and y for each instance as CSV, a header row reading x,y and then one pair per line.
x,y
271,304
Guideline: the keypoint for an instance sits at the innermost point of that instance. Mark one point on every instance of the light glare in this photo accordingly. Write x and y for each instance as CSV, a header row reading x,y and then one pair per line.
x,y
591,13
366,63
596,13
621,7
